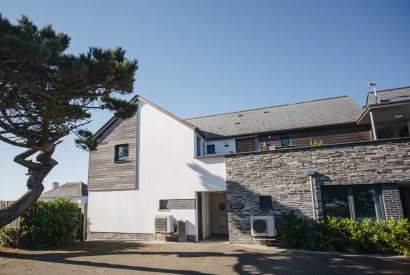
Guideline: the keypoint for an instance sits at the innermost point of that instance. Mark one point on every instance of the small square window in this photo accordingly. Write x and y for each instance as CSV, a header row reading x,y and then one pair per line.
x,y
284,141
163,204
265,202
210,149
121,152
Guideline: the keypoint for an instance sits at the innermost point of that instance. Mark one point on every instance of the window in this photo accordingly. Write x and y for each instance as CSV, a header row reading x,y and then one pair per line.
x,y
163,204
336,201
121,152
356,202
210,149
366,203
284,141
198,146
256,144
265,202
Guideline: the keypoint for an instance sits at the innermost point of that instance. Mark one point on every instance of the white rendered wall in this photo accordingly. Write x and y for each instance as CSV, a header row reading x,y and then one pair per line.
x,y
223,146
112,211
167,169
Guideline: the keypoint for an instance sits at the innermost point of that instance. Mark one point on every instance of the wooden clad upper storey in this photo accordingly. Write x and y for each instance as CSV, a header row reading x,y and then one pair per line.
x,y
312,137
307,137
107,173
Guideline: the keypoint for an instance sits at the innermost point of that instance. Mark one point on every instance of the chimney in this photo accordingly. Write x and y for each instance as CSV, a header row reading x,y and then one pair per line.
x,y
55,185
373,84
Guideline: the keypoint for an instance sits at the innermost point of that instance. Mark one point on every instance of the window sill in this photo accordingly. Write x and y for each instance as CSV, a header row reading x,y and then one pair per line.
x,y
121,161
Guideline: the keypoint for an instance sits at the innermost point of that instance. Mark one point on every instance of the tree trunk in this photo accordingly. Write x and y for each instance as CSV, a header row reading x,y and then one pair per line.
x,y
35,188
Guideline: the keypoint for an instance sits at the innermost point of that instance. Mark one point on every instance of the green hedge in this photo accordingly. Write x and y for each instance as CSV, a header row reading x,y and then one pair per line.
x,y
45,224
49,223
347,235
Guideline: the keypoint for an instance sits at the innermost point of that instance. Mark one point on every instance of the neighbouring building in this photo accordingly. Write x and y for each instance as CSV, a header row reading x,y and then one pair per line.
x,y
234,174
75,191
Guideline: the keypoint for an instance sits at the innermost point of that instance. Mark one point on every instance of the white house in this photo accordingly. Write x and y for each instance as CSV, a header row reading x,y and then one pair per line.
x,y
75,191
166,177
224,174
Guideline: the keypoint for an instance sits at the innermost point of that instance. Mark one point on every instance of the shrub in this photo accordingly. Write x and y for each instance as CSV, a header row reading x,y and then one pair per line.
x,y
317,142
293,230
347,235
392,237
49,223
8,236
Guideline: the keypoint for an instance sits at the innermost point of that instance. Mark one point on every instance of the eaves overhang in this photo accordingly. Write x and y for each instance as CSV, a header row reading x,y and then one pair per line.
x,y
364,117
137,98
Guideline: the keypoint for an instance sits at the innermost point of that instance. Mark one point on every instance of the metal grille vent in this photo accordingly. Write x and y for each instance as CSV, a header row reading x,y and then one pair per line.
x,y
260,226
160,224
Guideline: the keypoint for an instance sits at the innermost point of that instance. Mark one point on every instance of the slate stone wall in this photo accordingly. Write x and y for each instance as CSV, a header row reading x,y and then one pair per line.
x,y
282,174
181,204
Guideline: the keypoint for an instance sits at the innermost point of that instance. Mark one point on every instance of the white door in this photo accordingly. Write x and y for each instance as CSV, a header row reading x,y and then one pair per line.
x,y
219,213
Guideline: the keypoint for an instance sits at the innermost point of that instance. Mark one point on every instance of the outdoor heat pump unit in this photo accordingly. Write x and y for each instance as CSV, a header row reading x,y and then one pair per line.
x,y
164,224
263,226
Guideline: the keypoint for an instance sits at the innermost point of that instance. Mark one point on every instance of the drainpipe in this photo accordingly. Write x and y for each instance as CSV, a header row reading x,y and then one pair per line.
x,y
373,126
311,174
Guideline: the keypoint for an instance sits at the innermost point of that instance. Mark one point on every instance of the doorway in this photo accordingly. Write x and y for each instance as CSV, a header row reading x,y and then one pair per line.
x,y
212,216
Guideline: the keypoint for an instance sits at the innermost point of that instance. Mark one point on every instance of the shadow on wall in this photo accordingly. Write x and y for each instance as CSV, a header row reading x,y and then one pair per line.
x,y
211,182
240,219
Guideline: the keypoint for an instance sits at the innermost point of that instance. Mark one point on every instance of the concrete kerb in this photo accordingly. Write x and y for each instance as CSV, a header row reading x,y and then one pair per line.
x,y
272,249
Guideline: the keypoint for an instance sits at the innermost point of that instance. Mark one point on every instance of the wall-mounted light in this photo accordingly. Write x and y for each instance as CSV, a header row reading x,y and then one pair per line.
x,y
398,116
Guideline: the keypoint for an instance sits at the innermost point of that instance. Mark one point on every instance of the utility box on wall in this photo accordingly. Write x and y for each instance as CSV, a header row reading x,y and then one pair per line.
x,y
182,237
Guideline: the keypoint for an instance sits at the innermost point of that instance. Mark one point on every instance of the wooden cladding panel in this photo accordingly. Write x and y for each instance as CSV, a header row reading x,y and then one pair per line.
x,y
104,173
245,145
328,136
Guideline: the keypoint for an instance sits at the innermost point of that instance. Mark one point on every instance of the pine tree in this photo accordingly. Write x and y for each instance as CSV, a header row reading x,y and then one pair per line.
x,y
46,94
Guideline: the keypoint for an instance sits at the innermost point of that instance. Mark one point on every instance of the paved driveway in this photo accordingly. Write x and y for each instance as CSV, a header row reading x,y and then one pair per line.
x,y
206,258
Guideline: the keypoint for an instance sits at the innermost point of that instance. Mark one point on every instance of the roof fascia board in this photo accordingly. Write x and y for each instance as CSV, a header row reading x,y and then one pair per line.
x,y
167,113
137,98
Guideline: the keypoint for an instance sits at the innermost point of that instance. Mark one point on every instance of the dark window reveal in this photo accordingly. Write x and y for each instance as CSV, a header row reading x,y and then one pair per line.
x,y
198,146
356,202
163,204
210,149
121,152
284,141
265,202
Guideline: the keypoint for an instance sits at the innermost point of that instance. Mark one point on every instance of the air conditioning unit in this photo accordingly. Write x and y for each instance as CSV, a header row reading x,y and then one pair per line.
x,y
263,226
164,224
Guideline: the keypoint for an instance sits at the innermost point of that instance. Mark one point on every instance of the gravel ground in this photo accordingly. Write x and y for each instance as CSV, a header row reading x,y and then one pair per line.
x,y
107,257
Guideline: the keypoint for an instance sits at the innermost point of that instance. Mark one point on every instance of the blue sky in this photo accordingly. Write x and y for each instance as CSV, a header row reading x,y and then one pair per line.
x,y
204,57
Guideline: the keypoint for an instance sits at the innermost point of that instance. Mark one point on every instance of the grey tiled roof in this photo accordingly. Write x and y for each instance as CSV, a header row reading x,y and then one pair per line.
x,y
391,95
315,113
69,189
